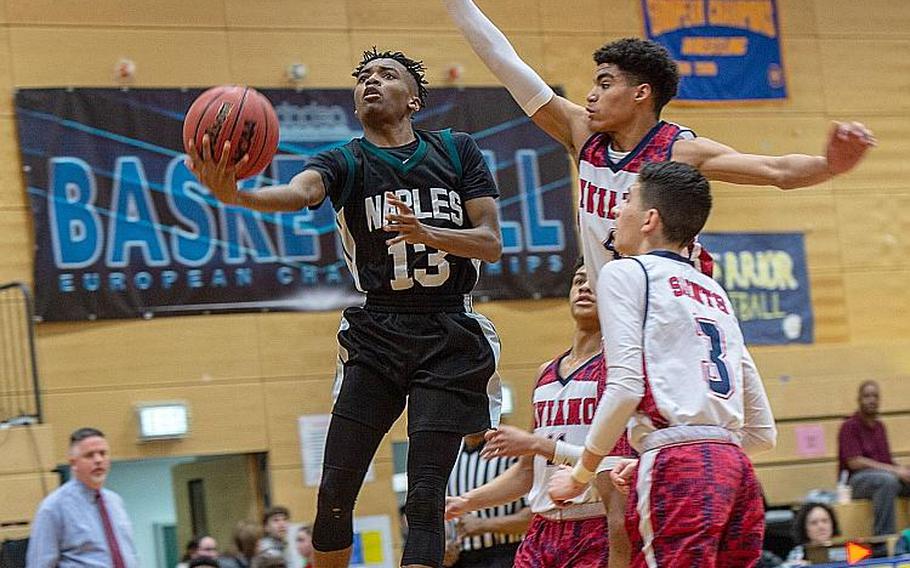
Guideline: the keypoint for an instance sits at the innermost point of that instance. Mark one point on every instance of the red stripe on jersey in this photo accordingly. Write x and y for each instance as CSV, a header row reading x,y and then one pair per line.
x,y
647,404
705,262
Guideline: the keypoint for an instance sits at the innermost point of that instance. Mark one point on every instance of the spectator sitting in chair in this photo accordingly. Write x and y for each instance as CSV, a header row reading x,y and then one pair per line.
x,y
863,450
815,524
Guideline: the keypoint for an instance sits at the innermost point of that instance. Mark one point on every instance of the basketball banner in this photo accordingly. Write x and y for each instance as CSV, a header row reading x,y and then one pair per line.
x,y
123,229
727,50
764,274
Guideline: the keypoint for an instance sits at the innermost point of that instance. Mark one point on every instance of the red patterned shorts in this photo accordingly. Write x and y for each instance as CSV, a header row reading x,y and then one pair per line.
x,y
564,544
695,506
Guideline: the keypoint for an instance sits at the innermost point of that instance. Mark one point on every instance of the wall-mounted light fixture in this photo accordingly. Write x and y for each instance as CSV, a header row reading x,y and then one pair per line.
x,y
296,72
162,420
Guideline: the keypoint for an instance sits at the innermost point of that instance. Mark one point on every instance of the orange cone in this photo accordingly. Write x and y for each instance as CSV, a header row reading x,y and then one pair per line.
x,y
857,552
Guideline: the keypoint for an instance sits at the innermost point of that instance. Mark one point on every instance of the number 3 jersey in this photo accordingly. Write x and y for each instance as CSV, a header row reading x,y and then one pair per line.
x,y
672,338
436,175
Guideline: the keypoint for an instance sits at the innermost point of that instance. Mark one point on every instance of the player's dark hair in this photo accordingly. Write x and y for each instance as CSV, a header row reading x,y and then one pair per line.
x,y
643,61
799,523
579,262
680,194
415,68
83,433
273,511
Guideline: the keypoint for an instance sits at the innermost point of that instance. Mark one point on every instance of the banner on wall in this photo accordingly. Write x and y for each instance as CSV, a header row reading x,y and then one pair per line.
x,y
123,229
765,276
727,50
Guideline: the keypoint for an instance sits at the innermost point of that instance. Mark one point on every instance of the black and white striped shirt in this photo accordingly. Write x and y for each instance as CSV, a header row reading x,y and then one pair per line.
x,y
472,471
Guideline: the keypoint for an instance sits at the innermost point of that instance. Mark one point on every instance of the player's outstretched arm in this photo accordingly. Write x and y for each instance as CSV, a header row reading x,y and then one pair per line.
x,y
516,523
512,485
563,120
847,144
510,441
514,442
305,189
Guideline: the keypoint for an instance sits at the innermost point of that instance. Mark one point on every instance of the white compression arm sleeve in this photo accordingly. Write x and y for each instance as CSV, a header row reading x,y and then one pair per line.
x,y
525,85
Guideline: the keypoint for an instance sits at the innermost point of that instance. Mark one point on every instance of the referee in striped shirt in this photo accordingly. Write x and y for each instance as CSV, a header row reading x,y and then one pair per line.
x,y
489,537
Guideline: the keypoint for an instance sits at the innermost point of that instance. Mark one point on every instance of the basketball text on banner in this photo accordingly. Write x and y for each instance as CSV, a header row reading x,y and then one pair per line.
x,y
123,228
765,276
727,50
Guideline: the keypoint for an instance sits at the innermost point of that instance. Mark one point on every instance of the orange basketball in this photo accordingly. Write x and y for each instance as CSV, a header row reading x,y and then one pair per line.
x,y
239,114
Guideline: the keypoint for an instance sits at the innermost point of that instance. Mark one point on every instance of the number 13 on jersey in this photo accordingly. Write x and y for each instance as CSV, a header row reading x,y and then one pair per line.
x,y
436,273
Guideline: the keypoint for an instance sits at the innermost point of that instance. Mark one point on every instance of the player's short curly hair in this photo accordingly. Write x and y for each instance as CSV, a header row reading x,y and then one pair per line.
x,y
415,68
643,61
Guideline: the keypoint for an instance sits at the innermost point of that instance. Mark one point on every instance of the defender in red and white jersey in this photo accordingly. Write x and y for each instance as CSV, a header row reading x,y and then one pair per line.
x,y
619,127
678,366
580,533
605,176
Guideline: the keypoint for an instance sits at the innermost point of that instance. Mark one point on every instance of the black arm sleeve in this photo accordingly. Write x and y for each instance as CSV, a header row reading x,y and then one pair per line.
x,y
477,180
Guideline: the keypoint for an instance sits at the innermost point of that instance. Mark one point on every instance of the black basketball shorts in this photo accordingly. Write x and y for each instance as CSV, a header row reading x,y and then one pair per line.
x,y
443,365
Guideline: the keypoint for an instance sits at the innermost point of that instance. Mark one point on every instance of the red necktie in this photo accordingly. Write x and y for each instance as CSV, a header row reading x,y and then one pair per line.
x,y
116,557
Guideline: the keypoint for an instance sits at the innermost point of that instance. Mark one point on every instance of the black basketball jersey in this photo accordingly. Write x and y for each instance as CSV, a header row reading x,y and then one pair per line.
x,y
436,176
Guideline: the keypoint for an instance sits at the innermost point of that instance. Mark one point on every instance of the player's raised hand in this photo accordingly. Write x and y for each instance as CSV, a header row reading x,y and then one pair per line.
x,y
848,142
220,176
404,222
563,486
621,475
456,507
508,441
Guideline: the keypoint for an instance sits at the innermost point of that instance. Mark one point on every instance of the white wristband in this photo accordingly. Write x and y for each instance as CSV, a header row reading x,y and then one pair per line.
x,y
566,454
581,474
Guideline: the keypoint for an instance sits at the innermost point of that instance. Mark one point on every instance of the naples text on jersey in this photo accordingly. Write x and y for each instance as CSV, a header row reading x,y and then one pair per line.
x,y
117,243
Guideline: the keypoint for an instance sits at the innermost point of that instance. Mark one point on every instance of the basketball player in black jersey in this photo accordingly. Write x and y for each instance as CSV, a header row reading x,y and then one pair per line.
x,y
416,214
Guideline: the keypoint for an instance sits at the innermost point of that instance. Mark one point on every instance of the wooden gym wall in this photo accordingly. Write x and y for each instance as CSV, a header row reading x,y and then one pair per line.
x,y
248,377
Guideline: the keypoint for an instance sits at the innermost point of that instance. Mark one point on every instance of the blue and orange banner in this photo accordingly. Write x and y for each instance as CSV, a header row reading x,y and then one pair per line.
x,y
123,229
727,50
765,276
